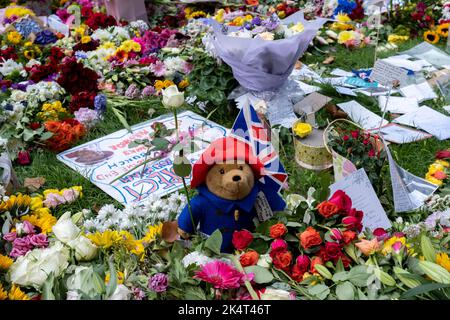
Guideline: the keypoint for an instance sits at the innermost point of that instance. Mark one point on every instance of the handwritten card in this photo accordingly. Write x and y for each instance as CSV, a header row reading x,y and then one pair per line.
x,y
400,134
398,104
385,74
364,117
428,120
409,191
358,187
421,92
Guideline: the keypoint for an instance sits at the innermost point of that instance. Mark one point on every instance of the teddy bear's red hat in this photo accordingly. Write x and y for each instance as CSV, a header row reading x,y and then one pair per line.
x,y
225,150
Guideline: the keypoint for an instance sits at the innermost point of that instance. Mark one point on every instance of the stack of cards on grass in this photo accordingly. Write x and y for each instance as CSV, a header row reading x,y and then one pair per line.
x,y
400,134
428,120
398,104
421,92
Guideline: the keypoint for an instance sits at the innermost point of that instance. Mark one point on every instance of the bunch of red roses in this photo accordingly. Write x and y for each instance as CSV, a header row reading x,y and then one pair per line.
x,y
315,246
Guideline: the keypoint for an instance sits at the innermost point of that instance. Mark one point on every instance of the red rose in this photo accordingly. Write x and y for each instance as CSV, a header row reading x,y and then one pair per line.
x,y
342,201
242,239
346,261
356,213
443,154
348,236
332,251
277,231
371,153
297,273
282,260
345,138
23,158
278,245
302,263
336,234
355,134
310,238
249,258
314,261
34,125
352,223
327,209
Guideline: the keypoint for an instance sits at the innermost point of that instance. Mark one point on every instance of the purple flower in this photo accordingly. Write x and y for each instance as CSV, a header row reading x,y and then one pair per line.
x,y
256,21
159,282
21,246
39,240
138,294
148,91
132,92
100,103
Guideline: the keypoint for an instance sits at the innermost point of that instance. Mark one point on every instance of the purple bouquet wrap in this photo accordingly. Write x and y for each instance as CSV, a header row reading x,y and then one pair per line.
x,y
262,65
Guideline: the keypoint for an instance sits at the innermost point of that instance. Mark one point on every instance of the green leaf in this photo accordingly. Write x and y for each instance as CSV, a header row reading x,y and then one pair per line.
x,y
112,284
214,242
358,276
345,291
320,291
293,224
46,135
262,275
427,248
182,166
194,293
339,266
160,143
340,276
121,117
425,288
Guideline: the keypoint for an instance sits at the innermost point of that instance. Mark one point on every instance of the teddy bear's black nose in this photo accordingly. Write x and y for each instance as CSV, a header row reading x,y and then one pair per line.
x,y
236,178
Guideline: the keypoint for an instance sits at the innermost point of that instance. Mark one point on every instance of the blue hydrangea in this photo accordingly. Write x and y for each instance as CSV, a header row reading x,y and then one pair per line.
x,y
27,26
345,6
100,103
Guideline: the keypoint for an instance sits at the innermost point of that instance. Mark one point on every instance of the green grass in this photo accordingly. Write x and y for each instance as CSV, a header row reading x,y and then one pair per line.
x,y
414,157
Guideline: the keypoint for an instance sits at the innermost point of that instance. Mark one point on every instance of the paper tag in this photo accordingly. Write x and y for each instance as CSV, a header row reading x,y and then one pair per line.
x,y
386,74
262,207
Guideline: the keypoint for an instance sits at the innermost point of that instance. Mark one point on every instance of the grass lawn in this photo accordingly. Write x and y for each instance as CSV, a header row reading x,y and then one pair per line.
x,y
414,157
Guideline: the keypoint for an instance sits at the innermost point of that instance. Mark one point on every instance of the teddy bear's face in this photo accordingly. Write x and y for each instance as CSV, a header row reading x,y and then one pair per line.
x,y
230,181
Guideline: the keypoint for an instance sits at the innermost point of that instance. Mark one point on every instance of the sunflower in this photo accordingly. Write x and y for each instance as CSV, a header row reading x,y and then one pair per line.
x,y
153,232
443,260
16,294
431,37
3,293
442,29
5,262
41,218
14,37
16,204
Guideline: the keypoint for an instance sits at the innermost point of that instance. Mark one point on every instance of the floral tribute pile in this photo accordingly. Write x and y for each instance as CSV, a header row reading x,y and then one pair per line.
x,y
58,87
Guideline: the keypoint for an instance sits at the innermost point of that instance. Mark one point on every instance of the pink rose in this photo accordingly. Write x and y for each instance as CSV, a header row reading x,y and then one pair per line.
x,y
303,263
278,245
39,240
28,227
10,236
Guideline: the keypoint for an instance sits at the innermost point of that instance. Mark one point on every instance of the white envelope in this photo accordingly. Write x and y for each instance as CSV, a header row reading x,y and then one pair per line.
x,y
364,117
398,104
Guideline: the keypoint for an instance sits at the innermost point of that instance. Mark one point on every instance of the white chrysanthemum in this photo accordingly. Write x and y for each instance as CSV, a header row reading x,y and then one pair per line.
x,y
9,66
196,258
102,35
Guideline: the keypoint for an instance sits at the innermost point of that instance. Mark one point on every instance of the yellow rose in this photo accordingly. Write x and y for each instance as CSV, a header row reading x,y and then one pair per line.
x,y
302,129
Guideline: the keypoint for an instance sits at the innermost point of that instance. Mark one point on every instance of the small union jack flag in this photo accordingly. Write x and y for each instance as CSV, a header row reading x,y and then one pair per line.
x,y
249,129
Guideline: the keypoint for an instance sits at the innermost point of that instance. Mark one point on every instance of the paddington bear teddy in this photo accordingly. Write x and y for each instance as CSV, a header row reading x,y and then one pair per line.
x,y
227,179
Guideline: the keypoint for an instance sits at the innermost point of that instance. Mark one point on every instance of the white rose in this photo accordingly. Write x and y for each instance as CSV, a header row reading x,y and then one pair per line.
x,y
275,294
264,261
85,250
172,98
121,293
75,281
35,267
65,230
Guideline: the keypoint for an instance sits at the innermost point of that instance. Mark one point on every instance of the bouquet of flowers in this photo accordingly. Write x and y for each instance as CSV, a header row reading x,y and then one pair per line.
x,y
259,64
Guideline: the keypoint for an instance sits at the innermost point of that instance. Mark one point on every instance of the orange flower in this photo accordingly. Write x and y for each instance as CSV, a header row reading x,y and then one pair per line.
x,y
368,247
65,133
277,230
327,209
252,2
310,238
249,258
314,261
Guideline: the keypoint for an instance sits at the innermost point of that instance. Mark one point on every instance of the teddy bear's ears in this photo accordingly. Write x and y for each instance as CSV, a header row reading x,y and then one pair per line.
x,y
225,150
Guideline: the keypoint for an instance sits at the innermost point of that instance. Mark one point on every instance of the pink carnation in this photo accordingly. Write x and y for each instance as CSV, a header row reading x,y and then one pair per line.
x,y
222,275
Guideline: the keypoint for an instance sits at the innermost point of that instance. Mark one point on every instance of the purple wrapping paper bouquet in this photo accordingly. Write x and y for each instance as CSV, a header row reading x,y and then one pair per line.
x,y
259,64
